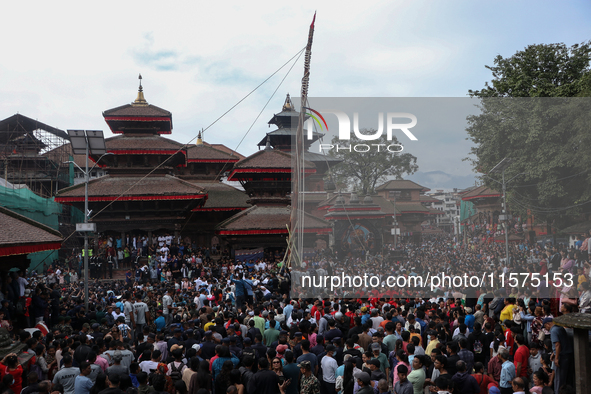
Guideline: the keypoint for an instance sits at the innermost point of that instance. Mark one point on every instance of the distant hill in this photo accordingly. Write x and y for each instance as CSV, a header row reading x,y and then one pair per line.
x,y
442,180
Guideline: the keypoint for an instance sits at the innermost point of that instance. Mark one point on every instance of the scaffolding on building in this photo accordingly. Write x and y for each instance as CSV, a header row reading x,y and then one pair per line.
x,y
34,154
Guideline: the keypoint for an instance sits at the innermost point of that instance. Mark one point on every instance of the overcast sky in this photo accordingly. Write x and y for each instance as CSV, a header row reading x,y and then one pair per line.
x,y
64,63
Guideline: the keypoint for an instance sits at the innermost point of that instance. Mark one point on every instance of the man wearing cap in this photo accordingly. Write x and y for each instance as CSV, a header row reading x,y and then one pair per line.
x,y
377,337
365,317
208,346
190,333
364,380
176,339
376,350
563,354
117,368
329,370
309,384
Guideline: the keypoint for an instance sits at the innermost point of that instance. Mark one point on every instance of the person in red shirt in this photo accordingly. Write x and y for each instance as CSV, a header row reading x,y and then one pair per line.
x,y
521,356
317,311
509,337
482,379
10,366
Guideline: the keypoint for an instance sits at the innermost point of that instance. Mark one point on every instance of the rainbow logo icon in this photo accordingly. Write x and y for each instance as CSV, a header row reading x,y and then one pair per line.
x,y
315,115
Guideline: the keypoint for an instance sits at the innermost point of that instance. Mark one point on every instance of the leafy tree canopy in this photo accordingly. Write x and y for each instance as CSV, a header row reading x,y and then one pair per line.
x,y
363,171
530,114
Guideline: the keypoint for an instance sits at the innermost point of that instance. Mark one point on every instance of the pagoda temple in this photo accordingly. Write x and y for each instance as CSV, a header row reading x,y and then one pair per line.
x,y
266,177
154,184
284,137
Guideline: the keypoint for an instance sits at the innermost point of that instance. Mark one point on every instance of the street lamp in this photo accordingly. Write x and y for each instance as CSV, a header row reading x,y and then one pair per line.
x,y
83,142
501,167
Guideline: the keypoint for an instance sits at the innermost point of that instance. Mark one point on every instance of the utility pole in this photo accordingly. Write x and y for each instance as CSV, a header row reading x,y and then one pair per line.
x,y
501,167
86,142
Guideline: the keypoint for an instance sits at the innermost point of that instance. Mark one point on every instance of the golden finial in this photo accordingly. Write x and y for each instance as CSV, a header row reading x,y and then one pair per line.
x,y
199,140
288,106
140,101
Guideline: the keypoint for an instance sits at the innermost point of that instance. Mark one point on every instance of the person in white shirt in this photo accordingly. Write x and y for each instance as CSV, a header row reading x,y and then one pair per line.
x,y
149,366
166,311
117,313
329,370
22,282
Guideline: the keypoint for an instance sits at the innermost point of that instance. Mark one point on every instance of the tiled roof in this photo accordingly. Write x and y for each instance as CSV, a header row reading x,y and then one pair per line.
x,y
401,184
221,196
385,205
141,142
224,148
269,158
285,132
320,158
258,218
313,222
19,230
113,186
480,192
434,211
271,218
423,198
579,228
131,110
204,153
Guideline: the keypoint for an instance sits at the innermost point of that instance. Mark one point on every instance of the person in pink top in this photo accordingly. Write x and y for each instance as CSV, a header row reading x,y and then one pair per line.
x,y
402,360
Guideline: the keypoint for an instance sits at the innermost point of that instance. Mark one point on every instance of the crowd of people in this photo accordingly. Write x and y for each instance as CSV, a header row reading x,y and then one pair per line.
x,y
221,326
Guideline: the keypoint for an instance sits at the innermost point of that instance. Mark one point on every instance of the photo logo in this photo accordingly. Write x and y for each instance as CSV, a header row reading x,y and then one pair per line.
x,y
392,124
318,115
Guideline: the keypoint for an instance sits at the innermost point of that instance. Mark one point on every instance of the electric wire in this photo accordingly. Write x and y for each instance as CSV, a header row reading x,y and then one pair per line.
x,y
297,55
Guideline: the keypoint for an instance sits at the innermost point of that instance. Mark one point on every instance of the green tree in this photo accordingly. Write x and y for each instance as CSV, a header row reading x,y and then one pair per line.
x,y
542,70
529,113
362,171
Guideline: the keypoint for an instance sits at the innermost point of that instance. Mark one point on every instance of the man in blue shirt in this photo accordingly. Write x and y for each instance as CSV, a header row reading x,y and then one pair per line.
x,y
563,349
160,321
469,319
507,372
239,291
83,384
